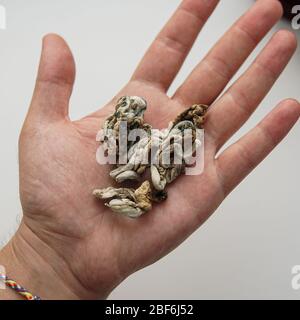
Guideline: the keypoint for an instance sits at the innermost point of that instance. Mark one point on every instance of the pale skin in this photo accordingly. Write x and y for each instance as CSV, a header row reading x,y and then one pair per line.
x,y
69,246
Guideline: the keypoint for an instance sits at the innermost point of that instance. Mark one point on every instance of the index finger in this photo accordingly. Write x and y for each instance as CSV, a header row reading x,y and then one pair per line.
x,y
167,53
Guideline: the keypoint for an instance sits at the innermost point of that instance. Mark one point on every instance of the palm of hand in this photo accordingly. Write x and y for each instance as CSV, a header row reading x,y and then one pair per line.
x,y
62,204
58,169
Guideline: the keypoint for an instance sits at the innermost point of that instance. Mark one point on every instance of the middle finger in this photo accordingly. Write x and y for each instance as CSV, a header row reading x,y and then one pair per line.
x,y
213,73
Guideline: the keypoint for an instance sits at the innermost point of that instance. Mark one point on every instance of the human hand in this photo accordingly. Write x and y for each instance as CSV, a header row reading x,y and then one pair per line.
x,y
74,246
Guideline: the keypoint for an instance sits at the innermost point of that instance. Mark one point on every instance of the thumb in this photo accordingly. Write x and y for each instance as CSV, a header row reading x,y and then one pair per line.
x,y
55,80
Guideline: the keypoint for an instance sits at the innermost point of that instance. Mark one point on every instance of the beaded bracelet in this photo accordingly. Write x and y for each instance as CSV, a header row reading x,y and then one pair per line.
x,y
17,288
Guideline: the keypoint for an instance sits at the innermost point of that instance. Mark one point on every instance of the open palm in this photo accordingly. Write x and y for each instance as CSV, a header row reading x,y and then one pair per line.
x,y
96,249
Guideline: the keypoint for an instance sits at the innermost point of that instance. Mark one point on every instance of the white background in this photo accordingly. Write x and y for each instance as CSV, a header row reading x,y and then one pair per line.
x,y
247,249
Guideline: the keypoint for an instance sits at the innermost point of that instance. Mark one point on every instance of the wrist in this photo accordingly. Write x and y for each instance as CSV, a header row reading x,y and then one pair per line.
x,y
35,266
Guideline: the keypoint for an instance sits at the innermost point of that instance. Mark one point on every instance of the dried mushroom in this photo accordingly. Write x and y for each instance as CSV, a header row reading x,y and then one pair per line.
x,y
126,133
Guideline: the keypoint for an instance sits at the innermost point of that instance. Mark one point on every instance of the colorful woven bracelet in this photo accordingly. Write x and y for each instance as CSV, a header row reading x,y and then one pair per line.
x,y
20,290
